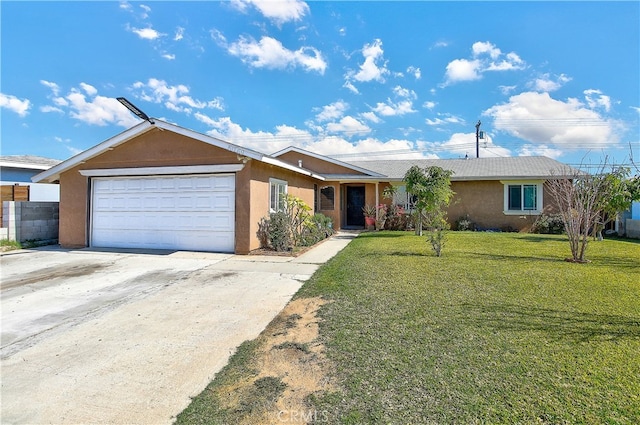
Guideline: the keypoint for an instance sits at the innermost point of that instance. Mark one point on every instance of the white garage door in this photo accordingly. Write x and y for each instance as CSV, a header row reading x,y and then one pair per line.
x,y
190,212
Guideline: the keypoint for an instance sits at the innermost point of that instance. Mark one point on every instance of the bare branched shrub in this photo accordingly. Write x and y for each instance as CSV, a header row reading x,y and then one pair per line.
x,y
583,199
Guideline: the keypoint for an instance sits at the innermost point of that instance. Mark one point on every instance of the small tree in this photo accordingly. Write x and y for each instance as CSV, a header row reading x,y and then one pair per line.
x,y
432,189
299,215
583,199
620,192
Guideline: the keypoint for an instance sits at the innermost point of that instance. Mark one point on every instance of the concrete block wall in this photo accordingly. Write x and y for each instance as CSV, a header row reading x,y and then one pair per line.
x,y
633,228
25,221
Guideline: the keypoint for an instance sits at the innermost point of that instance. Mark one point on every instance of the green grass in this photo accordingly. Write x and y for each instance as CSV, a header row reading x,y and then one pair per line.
x,y
9,245
498,330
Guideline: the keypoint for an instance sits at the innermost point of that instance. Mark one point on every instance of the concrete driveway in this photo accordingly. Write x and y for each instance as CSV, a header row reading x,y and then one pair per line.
x,y
129,337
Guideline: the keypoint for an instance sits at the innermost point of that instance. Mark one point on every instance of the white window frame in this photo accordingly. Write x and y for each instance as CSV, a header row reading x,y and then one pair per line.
x,y
276,204
539,184
403,198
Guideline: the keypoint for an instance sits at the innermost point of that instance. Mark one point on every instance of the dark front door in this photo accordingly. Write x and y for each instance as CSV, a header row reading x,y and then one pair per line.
x,y
355,202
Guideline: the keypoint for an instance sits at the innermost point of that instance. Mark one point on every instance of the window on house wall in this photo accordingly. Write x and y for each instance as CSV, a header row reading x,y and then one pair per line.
x,y
277,194
327,198
523,197
404,199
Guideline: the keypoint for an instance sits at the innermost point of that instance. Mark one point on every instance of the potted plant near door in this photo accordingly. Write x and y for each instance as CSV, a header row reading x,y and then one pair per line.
x,y
369,215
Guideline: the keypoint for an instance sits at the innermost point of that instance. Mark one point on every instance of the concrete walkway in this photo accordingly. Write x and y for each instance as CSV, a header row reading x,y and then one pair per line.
x,y
112,337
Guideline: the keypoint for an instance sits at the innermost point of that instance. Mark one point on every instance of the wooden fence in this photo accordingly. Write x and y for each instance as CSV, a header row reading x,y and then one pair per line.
x,y
13,192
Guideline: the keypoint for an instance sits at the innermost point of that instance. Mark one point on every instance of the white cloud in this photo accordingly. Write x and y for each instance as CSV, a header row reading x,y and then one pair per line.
x,y
48,108
540,150
175,98
279,11
429,104
401,107
415,72
403,92
349,85
371,116
484,47
271,54
53,86
179,34
546,83
12,103
145,11
125,5
89,89
595,99
392,108
332,111
324,144
84,104
440,44
60,101
168,56
224,128
542,120
443,119
636,108
99,110
61,140
462,144
348,126
506,89
372,68
463,70
146,33
485,57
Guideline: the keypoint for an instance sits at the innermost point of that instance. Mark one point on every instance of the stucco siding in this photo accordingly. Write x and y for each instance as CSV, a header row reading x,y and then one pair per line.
x,y
73,209
483,202
153,149
258,205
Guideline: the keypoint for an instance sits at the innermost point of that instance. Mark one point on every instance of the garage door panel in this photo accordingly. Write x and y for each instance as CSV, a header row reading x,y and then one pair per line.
x,y
168,212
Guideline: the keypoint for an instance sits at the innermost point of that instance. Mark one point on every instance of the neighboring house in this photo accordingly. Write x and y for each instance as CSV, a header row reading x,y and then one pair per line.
x,y
631,221
158,185
19,169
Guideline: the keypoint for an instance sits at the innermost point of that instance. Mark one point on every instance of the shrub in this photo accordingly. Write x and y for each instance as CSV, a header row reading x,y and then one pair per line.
x,y
293,227
263,232
548,224
465,223
396,218
318,228
279,229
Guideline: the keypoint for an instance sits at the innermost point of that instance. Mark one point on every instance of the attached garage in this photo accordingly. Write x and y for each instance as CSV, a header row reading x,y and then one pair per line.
x,y
161,186
181,212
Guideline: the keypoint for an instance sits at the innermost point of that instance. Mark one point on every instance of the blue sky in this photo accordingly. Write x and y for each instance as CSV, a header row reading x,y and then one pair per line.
x,y
354,80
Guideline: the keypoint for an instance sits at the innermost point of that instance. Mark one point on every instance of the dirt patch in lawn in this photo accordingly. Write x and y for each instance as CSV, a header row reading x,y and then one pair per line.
x,y
288,366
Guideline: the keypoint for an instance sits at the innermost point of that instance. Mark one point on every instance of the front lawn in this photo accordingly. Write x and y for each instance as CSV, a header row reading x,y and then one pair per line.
x,y
498,330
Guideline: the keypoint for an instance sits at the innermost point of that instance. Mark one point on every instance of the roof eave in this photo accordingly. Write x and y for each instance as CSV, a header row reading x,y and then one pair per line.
x,y
327,159
53,173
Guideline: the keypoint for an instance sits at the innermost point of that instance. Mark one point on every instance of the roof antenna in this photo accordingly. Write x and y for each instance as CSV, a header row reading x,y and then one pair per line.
x,y
136,111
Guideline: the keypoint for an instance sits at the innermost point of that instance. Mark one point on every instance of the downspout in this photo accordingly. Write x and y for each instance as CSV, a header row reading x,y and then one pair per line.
x,y
377,197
